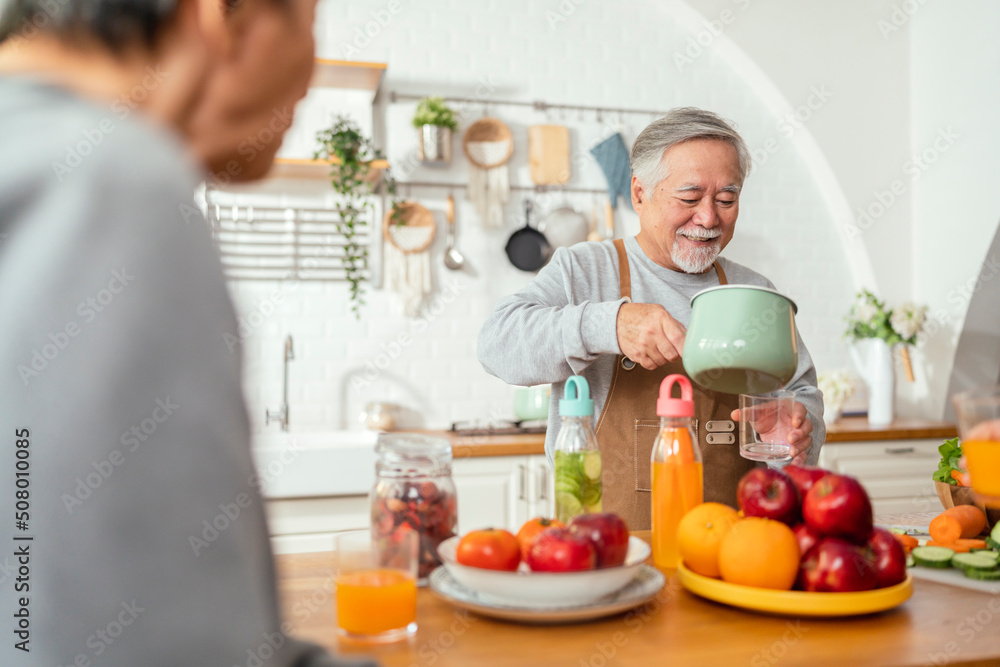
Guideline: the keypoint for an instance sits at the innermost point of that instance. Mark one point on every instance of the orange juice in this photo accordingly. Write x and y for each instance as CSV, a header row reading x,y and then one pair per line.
x,y
676,488
371,602
983,460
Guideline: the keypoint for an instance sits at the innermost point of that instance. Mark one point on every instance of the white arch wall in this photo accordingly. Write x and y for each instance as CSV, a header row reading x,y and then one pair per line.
x,y
588,52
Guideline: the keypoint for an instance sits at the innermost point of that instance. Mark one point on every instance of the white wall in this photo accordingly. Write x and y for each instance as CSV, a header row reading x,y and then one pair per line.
x,y
956,85
770,60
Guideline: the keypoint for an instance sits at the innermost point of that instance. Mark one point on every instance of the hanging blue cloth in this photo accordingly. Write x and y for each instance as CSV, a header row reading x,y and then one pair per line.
x,y
612,157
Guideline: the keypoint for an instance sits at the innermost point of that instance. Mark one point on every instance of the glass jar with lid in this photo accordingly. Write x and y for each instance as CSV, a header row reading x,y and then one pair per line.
x,y
414,491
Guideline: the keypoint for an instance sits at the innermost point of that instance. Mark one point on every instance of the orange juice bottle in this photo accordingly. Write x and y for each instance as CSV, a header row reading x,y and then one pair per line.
x,y
677,469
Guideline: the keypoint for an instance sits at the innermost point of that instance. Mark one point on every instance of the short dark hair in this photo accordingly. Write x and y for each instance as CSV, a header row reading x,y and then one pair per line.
x,y
118,24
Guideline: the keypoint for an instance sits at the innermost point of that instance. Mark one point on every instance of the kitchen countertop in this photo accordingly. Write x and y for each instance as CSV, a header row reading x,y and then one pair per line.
x,y
848,429
939,624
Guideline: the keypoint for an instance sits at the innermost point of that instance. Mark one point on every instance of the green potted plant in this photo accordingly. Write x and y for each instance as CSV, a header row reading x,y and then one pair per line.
x,y
435,121
356,179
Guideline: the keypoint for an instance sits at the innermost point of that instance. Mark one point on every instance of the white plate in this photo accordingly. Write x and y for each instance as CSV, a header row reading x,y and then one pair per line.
x,y
646,584
544,589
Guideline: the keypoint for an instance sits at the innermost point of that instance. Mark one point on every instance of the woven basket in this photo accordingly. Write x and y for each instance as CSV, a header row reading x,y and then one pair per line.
x,y
488,131
951,495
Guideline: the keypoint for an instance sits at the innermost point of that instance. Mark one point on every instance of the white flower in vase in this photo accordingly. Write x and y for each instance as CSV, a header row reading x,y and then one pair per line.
x,y
908,321
837,388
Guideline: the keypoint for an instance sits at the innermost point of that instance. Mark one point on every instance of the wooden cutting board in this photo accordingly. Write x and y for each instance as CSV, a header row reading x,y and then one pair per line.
x,y
548,154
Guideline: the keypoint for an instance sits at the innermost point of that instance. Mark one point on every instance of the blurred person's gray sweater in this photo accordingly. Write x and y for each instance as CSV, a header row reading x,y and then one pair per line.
x,y
114,368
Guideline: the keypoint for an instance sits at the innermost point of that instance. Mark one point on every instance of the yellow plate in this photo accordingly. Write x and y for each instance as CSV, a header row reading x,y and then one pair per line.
x,y
797,603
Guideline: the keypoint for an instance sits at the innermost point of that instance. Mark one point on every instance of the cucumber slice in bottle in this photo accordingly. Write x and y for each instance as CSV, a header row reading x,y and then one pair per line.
x,y
592,465
567,506
983,575
591,496
933,556
973,561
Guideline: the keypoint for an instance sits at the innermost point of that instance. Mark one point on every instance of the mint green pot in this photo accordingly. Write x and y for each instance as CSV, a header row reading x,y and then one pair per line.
x,y
741,339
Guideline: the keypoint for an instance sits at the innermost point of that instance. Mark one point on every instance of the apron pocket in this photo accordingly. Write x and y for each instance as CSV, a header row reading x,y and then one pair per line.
x,y
643,437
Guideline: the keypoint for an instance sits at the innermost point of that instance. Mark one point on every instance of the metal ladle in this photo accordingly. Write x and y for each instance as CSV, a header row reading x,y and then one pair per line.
x,y
453,259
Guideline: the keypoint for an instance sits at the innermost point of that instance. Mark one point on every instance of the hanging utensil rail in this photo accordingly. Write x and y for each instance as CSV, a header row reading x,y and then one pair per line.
x,y
537,105
539,189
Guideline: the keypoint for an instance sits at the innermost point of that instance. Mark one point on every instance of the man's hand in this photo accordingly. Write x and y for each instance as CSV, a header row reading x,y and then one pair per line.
x,y
648,335
798,433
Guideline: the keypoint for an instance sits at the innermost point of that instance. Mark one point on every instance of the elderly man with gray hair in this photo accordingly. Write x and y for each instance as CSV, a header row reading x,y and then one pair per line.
x,y
615,312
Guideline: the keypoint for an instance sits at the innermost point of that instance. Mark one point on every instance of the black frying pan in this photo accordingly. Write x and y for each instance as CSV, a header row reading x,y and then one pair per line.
x,y
527,248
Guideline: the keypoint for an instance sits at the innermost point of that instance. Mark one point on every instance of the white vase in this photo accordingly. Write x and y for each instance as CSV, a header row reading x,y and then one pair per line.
x,y
831,413
873,358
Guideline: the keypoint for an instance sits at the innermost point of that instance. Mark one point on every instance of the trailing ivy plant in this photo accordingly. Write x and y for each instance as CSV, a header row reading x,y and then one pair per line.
x,y
352,154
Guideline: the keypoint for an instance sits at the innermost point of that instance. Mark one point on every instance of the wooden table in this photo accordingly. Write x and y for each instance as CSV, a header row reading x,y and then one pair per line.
x,y
938,625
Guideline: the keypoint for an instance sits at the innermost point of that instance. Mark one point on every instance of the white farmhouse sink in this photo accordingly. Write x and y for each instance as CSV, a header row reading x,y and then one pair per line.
x,y
310,465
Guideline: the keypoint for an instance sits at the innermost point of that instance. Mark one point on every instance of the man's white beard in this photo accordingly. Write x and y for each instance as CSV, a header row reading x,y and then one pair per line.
x,y
694,260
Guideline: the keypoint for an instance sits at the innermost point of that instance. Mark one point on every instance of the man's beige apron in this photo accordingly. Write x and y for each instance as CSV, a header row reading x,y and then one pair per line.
x,y
628,426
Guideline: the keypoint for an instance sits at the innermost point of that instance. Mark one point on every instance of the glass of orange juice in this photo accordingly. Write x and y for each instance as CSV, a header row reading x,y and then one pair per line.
x,y
978,412
377,585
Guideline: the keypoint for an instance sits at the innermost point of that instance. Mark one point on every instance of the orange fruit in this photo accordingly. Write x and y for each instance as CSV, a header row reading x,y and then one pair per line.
x,y
761,553
699,536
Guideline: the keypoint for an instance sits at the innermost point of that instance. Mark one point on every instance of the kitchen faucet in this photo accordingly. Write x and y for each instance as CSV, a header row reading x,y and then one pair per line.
x,y
281,415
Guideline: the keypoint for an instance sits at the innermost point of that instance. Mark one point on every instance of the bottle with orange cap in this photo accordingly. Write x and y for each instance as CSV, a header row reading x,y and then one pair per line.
x,y
677,469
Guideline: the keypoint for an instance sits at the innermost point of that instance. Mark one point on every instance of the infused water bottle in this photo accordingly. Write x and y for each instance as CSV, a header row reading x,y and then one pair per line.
x,y
577,456
677,469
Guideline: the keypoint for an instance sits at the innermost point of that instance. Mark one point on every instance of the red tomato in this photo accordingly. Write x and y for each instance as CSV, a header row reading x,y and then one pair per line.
x,y
490,549
530,530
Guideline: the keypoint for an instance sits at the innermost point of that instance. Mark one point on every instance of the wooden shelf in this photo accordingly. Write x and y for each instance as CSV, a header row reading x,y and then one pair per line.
x,y
354,75
319,169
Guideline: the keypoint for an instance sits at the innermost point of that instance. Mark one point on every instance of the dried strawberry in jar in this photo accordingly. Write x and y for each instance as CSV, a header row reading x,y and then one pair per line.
x,y
414,491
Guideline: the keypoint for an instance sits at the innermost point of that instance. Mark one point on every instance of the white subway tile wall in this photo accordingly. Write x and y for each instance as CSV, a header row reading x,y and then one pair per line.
x,y
597,54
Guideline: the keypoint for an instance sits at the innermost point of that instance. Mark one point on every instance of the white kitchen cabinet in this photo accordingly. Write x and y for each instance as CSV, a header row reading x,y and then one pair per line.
x,y
309,524
501,491
896,473
493,491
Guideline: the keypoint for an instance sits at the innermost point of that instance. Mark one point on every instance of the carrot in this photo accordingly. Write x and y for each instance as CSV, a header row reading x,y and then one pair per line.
x,y
972,544
959,522
959,478
954,546
908,541
972,518
945,529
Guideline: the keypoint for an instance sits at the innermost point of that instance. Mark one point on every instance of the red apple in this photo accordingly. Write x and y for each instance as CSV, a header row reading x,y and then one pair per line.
x,y
807,538
837,506
836,566
804,476
559,550
607,532
888,556
770,494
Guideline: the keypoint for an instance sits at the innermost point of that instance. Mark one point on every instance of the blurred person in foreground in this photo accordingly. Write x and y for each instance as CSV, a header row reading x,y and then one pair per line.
x,y
150,545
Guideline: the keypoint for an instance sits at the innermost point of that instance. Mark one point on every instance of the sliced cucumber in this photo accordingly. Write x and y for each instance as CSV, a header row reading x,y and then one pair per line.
x,y
992,542
983,575
995,533
592,465
988,553
933,556
974,561
909,560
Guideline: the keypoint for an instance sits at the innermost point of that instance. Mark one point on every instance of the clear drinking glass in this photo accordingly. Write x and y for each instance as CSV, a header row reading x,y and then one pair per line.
x,y
978,412
765,422
376,585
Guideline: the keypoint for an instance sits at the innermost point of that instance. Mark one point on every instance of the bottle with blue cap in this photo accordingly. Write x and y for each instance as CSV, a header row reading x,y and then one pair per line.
x,y
577,455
